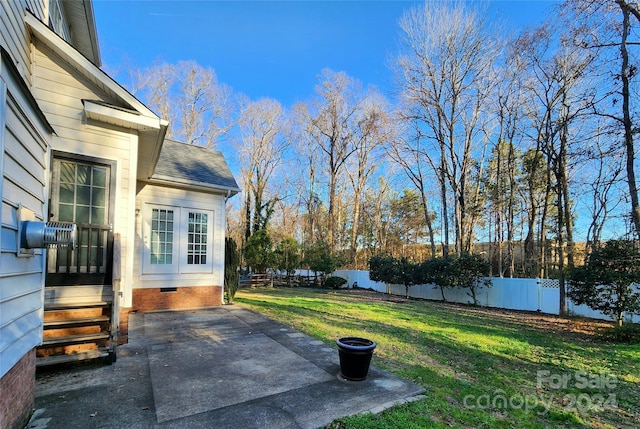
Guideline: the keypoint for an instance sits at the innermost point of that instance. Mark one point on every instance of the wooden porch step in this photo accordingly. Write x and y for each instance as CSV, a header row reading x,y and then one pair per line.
x,y
74,305
74,357
75,322
76,338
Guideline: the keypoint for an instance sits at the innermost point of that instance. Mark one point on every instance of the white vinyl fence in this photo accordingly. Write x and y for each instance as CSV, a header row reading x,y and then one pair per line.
x,y
514,294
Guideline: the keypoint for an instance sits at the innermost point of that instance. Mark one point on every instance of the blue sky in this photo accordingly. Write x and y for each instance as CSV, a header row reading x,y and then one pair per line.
x,y
270,49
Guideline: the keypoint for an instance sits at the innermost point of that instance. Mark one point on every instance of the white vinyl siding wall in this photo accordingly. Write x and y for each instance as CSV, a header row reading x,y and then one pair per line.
x,y
60,90
13,32
24,169
181,274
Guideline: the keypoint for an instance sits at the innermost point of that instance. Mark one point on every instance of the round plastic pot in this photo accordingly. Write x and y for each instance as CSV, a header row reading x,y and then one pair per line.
x,y
355,357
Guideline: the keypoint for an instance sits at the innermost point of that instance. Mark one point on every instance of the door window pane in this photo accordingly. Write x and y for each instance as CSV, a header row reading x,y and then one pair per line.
x,y
85,186
99,176
67,193
161,237
67,172
83,195
82,214
197,227
65,213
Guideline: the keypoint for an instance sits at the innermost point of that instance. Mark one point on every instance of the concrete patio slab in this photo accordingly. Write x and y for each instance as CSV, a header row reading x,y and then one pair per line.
x,y
240,369
226,367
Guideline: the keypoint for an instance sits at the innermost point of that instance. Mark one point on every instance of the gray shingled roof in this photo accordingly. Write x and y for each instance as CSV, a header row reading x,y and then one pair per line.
x,y
189,164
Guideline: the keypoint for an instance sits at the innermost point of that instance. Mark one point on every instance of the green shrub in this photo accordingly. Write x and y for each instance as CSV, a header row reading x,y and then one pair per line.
x,y
231,265
606,282
258,251
335,282
627,333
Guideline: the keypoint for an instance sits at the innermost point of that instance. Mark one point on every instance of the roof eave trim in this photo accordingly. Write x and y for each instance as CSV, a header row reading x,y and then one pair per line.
x,y
102,113
192,184
164,126
80,62
93,32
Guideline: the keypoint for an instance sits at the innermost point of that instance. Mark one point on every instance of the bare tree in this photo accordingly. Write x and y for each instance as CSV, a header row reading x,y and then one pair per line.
x,y
378,216
602,181
605,27
262,149
198,107
306,152
373,129
446,75
410,157
330,121
203,103
559,99
504,178
154,85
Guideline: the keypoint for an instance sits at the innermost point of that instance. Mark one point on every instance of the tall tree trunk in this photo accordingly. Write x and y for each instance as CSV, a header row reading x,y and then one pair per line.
x,y
445,210
428,222
356,222
627,122
511,166
247,216
331,226
560,243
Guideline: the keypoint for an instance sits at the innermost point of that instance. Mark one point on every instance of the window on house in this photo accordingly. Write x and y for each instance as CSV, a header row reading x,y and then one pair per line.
x,y
161,237
197,245
177,240
57,21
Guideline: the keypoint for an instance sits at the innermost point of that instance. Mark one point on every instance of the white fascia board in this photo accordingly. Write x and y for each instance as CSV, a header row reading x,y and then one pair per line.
x,y
192,184
93,31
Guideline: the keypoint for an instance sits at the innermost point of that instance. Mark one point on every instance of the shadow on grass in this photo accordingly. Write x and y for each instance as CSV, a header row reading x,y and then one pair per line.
x,y
456,356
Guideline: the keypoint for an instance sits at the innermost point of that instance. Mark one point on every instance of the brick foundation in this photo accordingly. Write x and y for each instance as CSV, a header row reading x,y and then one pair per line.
x,y
149,299
16,393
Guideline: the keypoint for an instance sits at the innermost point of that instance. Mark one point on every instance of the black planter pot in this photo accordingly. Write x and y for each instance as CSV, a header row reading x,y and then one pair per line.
x,y
355,357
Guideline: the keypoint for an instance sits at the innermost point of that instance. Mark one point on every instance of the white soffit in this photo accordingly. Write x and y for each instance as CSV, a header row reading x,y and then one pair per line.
x,y
114,115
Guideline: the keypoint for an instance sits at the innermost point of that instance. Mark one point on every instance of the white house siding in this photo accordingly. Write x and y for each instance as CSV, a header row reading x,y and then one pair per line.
x,y
13,32
25,156
155,195
60,90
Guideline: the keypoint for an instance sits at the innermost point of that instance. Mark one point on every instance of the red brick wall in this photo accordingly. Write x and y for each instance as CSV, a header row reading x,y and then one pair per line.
x,y
149,299
16,393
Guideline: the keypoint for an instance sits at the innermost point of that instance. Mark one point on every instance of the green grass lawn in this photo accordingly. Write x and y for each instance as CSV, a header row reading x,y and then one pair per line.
x,y
481,368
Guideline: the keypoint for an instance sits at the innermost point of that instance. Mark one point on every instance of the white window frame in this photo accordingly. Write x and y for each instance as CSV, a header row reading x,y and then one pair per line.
x,y
180,252
57,20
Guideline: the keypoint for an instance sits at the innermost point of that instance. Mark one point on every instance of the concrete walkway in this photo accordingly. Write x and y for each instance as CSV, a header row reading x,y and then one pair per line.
x,y
224,367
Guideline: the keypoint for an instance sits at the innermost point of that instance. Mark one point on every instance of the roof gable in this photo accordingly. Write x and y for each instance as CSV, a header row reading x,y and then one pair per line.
x,y
190,165
155,128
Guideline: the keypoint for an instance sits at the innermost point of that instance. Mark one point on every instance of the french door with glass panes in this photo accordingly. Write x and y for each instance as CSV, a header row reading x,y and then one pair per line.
x,y
177,240
81,193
